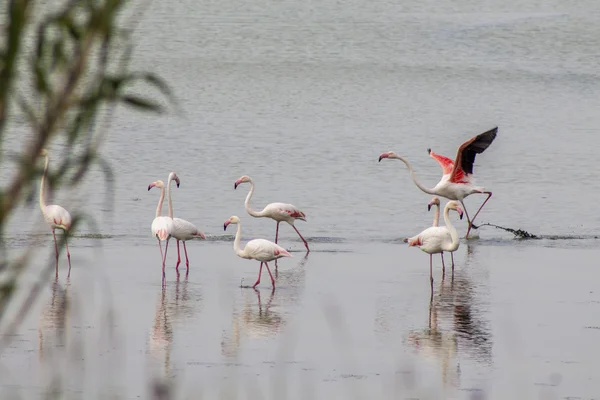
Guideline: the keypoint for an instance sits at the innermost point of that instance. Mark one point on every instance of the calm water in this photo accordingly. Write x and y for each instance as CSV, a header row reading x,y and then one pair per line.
x,y
303,97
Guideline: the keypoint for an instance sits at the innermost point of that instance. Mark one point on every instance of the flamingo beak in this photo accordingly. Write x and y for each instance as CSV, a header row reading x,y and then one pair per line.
x,y
235,185
384,155
460,212
429,207
177,181
226,224
150,186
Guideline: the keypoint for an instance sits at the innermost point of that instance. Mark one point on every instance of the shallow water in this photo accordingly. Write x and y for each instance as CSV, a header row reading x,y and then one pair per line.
x,y
303,97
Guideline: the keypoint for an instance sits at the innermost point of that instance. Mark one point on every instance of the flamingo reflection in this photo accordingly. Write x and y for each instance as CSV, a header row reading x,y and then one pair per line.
x,y
466,332
169,309
257,319
435,343
52,329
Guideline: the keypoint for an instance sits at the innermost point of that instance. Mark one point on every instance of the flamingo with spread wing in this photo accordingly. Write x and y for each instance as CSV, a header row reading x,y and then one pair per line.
x,y
457,180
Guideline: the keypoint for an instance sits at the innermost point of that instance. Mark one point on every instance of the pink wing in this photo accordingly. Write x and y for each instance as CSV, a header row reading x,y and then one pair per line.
x,y
446,163
465,156
287,210
56,215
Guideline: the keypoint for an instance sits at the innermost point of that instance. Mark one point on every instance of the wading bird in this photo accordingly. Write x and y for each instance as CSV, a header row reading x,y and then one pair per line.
x,y
457,180
162,227
437,239
257,249
54,215
182,230
436,222
280,212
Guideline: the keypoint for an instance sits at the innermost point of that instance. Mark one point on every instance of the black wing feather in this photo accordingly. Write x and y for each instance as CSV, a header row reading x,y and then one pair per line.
x,y
477,146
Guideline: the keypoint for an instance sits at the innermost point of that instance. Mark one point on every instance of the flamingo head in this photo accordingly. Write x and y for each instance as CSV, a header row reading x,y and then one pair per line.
x,y
242,179
387,154
453,205
159,184
434,202
43,152
173,176
233,220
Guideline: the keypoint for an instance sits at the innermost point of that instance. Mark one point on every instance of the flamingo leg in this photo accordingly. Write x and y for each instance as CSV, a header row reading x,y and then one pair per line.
x,y
443,266
258,280
55,249
165,257
431,273
468,219
178,256
431,270
452,255
305,242
160,247
277,232
187,260
271,275
68,255
483,204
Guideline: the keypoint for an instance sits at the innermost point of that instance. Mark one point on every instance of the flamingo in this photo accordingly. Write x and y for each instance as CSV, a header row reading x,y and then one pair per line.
x,y
457,180
437,239
279,212
257,249
54,215
182,230
436,221
162,227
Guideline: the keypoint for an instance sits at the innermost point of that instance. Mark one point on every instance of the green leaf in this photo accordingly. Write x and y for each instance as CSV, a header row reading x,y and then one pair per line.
x,y
29,112
41,80
142,104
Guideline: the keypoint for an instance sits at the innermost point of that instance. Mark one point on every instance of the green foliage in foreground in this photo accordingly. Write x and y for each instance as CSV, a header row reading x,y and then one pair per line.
x,y
62,73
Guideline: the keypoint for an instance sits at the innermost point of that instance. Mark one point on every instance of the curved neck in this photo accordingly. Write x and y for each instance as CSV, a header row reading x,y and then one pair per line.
x,y
247,202
43,185
169,199
453,233
414,178
436,216
236,242
160,202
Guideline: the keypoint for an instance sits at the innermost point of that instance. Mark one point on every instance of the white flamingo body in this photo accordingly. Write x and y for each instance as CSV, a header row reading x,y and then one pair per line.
x,y
282,212
279,212
434,240
162,228
457,181
55,216
257,249
185,230
263,250
437,239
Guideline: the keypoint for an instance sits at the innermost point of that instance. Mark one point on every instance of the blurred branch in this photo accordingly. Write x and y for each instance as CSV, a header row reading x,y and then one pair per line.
x,y
78,66
17,19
